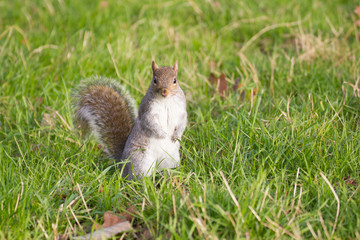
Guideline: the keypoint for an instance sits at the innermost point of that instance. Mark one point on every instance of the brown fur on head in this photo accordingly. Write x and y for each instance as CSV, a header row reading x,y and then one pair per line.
x,y
164,79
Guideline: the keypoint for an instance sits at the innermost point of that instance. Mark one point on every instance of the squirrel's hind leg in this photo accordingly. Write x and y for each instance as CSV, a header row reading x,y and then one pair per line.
x,y
144,162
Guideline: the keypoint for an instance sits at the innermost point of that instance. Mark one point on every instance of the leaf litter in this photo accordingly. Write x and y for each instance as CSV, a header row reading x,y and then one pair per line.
x,y
221,86
357,11
107,232
112,226
220,83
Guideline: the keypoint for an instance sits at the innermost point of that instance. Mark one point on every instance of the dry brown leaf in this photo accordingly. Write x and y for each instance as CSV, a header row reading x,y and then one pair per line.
x,y
146,235
357,11
111,218
350,181
222,85
220,82
103,4
357,23
113,225
129,214
107,232
212,78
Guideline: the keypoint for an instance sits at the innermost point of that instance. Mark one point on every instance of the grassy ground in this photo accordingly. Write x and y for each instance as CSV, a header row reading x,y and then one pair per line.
x,y
280,162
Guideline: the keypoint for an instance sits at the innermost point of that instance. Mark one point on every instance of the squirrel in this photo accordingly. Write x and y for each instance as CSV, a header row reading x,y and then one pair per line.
x,y
142,141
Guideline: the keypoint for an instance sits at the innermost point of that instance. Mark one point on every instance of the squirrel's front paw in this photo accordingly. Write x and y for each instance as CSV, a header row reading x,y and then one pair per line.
x,y
174,138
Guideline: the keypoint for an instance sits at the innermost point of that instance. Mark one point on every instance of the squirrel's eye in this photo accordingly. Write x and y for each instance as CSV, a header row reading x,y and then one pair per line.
x,y
155,80
174,80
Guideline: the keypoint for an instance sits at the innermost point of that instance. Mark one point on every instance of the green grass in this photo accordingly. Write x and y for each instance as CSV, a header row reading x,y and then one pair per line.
x,y
272,148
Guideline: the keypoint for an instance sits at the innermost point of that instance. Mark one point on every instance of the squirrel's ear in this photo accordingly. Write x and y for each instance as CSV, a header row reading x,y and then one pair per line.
x,y
154,66
175,67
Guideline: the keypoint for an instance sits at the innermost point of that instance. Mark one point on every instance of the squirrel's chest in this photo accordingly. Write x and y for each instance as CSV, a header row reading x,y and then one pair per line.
x,y
168,113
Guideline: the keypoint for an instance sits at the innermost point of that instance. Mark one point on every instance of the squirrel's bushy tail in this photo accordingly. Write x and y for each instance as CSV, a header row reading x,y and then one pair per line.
x,y
103,107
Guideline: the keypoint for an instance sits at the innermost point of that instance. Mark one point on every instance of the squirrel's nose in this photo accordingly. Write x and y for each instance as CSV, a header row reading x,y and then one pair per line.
x,y
164,92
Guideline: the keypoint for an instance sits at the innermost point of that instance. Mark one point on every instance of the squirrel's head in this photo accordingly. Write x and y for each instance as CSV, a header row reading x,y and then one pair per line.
x,y
164,79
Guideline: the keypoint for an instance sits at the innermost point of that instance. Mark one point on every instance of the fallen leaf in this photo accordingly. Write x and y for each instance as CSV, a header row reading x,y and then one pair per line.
x,y
215,4
357,23
350,181
111,218
146,235
357,11
129,213
222,85
103,4
212,78
107,232
113,225
220,82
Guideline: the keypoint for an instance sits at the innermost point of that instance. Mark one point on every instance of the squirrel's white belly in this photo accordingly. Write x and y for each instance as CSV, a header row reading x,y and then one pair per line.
x,y
164,152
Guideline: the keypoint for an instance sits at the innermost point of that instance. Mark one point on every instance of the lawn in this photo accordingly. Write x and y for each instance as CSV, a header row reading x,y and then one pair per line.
x,y
276,155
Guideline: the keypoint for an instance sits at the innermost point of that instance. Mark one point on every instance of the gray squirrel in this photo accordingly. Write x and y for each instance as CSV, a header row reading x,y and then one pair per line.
x,y
149,140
